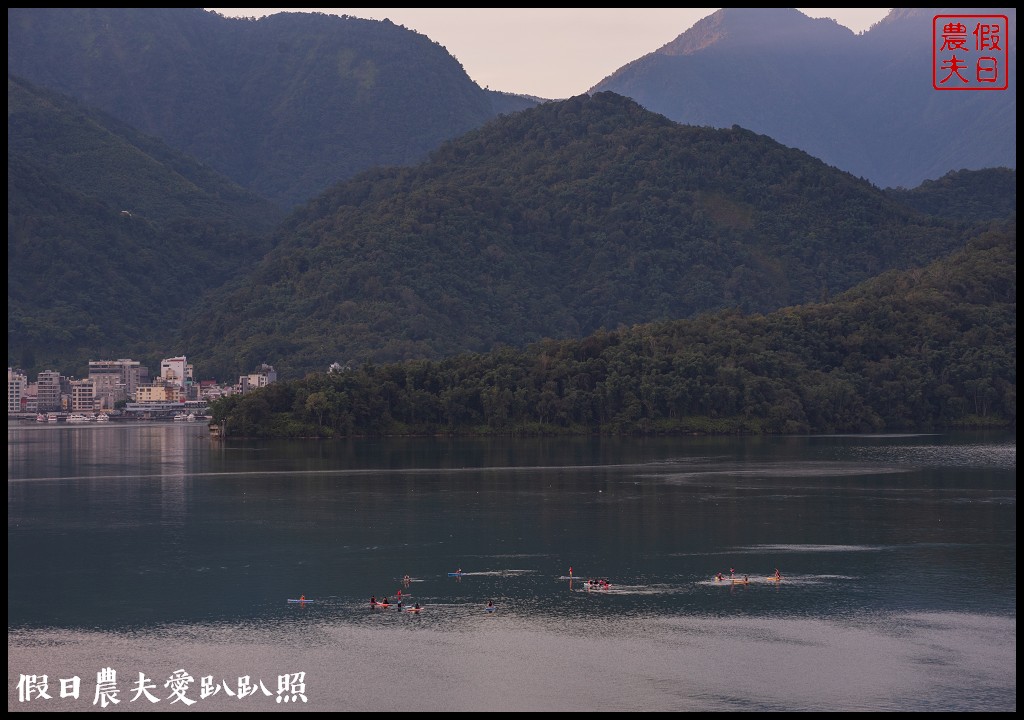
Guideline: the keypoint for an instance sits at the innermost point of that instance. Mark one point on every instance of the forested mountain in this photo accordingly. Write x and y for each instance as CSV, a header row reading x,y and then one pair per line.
x,y
466,219
863,103
290,103
928,348
965,195
554,222
285,105
111,235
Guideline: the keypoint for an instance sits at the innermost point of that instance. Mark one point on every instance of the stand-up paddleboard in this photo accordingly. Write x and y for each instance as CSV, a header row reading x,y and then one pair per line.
x,y
456,574
490,609
413,610
300,600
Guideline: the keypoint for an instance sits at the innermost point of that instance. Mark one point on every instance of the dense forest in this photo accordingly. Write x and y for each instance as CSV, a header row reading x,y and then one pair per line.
x,y
914,349
285,105
111,235
557,221
526,221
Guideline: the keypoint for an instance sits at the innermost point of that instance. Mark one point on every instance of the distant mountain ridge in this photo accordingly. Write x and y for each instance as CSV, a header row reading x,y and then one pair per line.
x,y
285,105
290,103
863,103
758,29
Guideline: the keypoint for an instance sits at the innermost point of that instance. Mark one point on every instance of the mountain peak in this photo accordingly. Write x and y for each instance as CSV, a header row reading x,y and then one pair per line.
x,y
757,29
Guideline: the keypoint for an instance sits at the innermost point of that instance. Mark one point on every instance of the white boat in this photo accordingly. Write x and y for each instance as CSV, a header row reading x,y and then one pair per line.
x,y
181,417
191,417
102,417
52,417
40,417
77,418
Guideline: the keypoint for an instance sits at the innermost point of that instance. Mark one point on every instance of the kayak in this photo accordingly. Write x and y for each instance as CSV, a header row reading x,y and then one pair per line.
x,y
490,609
380,604
413,610
772,578
740,582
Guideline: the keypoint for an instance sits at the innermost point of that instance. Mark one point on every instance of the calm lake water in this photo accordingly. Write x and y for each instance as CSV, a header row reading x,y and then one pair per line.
x,y
148,548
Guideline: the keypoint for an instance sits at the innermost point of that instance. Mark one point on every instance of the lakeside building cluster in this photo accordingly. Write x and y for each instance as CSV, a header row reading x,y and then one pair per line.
x,y
124,386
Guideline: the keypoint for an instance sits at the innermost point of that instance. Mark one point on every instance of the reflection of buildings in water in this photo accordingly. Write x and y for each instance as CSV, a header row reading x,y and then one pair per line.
x,y
126,458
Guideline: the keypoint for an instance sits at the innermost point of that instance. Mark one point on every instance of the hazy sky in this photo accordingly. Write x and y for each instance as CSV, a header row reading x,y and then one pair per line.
x,y
552,53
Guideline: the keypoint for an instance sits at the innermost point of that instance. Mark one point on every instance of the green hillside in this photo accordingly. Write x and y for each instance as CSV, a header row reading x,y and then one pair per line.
x,y
285,105
555,222
912,350
111,235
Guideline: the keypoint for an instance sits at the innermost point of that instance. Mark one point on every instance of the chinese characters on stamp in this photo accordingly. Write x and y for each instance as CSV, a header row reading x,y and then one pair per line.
x,y
970,52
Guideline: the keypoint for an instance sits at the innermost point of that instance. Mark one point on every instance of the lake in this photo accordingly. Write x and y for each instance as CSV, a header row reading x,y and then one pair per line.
x,y
146,556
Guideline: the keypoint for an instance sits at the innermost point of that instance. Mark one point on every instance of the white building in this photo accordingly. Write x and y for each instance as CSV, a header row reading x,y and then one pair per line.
x,y
176,371
17,388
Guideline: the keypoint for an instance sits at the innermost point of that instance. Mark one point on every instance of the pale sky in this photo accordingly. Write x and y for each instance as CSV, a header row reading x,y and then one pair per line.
x,y
551,53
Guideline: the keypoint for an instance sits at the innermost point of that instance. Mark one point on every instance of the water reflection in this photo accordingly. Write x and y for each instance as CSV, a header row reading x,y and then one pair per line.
x,y
153,548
